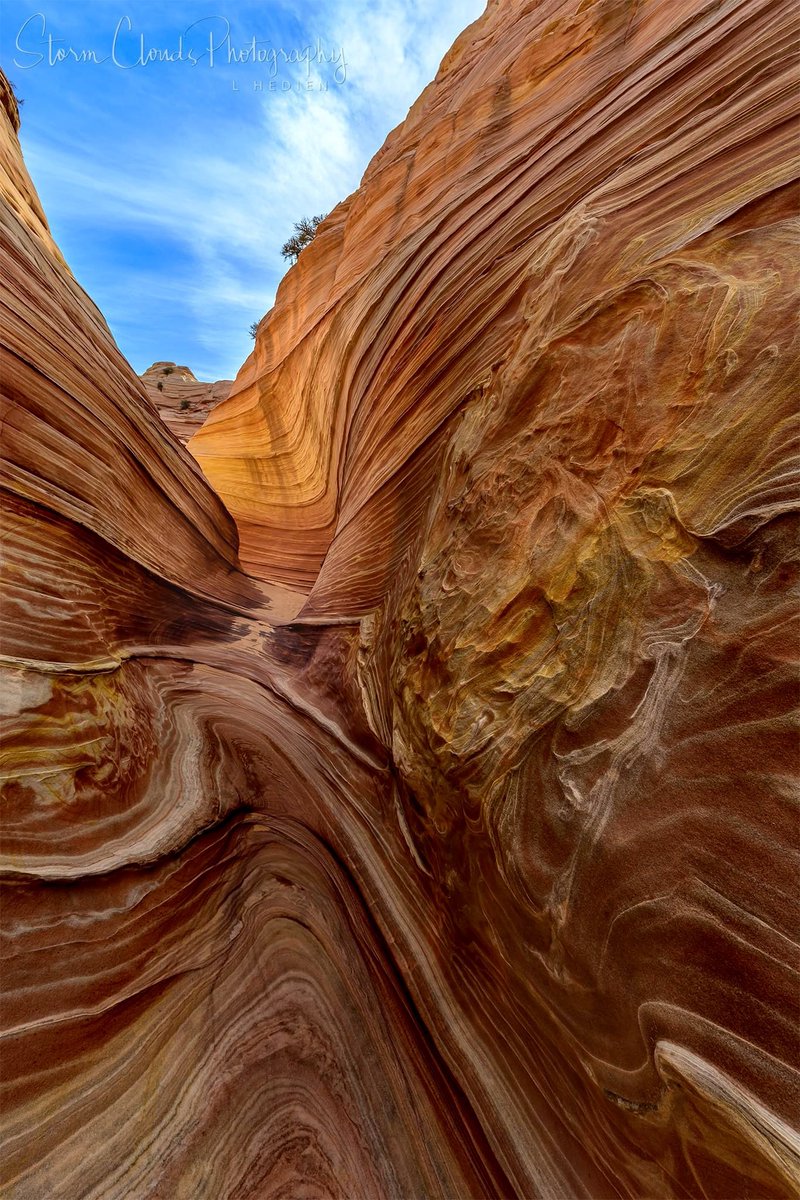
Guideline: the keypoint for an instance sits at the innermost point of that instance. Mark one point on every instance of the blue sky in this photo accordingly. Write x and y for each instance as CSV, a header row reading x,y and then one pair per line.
x,y
170,187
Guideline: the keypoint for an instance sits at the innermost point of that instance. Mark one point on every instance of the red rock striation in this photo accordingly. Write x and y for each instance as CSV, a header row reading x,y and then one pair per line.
x,y
447,849
183,401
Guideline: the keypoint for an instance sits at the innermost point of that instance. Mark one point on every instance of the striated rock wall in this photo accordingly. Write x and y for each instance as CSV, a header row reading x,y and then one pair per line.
x,y
560,175
448,848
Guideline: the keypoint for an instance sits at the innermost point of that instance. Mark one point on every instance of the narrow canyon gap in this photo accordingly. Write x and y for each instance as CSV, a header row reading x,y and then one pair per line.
x,y
400,779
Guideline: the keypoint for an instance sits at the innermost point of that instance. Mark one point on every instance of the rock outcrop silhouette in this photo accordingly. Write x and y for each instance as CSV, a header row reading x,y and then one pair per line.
x,y
183,401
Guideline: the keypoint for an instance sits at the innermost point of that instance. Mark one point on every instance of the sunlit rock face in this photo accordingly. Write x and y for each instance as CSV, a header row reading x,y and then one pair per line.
x,y
182,401
428,831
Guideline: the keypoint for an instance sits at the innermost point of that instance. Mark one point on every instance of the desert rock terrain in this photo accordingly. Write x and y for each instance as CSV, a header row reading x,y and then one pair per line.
x,y
400,779
183,401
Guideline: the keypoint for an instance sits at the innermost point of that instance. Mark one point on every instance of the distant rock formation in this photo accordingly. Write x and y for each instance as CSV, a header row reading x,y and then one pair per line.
x,y
419,823
183,402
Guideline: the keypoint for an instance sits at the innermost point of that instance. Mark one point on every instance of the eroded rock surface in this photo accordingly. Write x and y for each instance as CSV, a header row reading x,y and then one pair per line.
x,y
425,827
183,401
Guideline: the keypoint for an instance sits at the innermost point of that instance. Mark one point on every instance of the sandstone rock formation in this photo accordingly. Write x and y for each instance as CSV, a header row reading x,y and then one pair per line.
x,y
428,831
183,401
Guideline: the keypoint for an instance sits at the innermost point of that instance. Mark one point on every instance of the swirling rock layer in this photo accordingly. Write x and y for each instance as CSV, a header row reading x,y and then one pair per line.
x,y
443,846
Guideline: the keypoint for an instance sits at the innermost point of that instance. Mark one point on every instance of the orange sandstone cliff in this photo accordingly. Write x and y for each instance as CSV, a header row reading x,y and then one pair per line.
x,y
399,786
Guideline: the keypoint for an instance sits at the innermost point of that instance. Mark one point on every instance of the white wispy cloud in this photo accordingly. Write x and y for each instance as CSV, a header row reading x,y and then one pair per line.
x,y
214,203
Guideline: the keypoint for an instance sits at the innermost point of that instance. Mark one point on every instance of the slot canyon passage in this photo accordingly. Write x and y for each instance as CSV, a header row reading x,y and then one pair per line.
x,y
399,779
